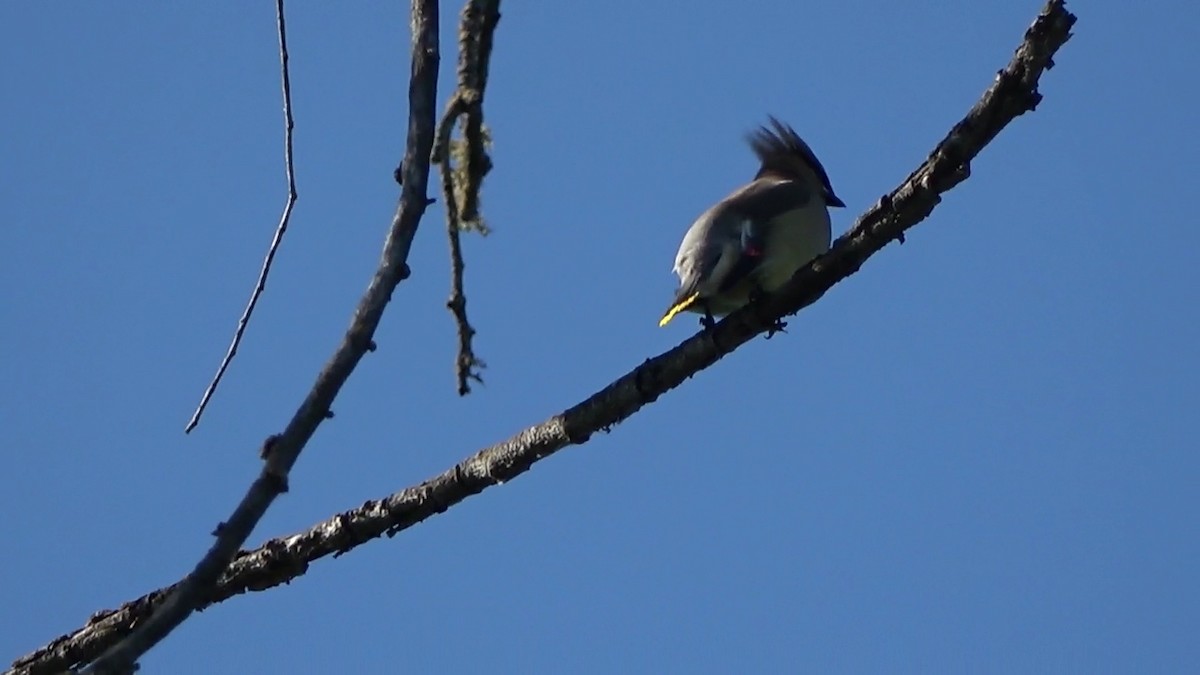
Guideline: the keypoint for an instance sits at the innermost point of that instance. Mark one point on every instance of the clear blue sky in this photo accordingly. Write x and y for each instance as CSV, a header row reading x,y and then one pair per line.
x,y
976,455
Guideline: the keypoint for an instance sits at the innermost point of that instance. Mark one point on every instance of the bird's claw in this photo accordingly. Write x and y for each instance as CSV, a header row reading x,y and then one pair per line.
x,y
778,327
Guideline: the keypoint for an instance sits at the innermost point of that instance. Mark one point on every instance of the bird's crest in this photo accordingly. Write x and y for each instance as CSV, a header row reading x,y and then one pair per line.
x,y
782,152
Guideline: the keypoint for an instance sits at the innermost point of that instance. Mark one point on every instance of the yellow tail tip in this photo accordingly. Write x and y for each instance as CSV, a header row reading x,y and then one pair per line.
x,y
677,308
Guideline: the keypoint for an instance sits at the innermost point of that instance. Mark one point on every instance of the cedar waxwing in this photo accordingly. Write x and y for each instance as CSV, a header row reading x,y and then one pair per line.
x,y
755,239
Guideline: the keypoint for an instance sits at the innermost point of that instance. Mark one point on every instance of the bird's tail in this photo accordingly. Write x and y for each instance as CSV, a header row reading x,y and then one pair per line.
x,y
678,306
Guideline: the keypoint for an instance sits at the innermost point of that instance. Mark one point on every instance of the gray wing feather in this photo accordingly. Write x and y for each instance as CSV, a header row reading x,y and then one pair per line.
x,y
764,199
712,247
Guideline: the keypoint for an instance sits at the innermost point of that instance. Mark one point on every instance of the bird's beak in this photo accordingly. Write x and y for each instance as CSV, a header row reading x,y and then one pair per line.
x,y
832,200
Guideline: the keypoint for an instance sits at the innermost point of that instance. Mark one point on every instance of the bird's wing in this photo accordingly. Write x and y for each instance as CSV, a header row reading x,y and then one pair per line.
x,y
728,242
756,207
764,199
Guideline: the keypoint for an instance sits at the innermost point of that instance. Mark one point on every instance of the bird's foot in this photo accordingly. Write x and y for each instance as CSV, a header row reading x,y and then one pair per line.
x,y
756,294
778,327
707,321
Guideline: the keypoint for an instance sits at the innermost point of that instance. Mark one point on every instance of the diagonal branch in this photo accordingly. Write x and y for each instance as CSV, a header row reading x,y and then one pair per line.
x,y
461,185
261,284
281,451
280,560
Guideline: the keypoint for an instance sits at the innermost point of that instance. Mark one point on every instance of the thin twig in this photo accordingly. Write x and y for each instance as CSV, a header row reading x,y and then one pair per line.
x,y
461,185
261,284
466,365
280,560
282,450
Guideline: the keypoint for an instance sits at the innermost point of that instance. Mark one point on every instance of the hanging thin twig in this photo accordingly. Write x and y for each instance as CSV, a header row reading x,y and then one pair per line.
x,y
463,165
261,284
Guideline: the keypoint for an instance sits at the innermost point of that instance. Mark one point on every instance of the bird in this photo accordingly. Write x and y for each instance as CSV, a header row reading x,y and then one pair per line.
x,y
753,241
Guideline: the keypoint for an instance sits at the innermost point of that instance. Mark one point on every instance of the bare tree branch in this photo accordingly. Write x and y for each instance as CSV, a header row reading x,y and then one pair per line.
x,y
280,560
281,451
261,284
461,185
